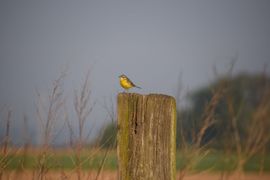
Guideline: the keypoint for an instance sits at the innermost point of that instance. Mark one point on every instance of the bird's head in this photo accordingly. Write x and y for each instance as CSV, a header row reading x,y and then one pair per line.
x,y
123,76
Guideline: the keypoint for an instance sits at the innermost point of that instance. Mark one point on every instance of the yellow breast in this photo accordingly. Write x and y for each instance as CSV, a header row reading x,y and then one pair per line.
x,y
125,83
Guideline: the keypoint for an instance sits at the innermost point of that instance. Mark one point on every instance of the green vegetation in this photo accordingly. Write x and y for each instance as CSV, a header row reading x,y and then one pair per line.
x,y
62,161
215,161
218,161
229,115
242,99
108,138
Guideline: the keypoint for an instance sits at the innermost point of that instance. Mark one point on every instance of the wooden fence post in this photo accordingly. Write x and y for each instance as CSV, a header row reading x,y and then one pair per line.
x,y
146,137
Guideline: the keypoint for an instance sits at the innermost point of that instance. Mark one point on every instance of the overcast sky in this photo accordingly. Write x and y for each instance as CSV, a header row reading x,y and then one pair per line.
x,y
150,41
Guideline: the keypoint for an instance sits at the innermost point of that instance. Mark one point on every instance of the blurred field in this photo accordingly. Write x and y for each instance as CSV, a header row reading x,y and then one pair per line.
x,y
112,175
220,141
91,159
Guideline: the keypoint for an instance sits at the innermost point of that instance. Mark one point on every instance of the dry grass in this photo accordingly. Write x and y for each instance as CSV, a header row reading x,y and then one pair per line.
x,y
112,175
257,135
53,109
195,152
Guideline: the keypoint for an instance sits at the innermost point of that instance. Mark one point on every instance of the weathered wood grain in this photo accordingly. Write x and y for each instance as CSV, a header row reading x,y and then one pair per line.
x,y
146,136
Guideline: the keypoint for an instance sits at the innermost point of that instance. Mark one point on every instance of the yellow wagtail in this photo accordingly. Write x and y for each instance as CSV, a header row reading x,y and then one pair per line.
x,y
126,83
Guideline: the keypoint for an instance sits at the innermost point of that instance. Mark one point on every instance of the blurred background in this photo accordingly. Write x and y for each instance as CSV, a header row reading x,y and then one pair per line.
x,y
60,61
155,43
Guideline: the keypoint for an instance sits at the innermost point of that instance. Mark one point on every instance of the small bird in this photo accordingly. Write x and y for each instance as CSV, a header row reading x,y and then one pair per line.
x,y
126,83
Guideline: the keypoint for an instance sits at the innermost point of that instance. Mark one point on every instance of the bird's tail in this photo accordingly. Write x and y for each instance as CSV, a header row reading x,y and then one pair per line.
x,y
138,87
